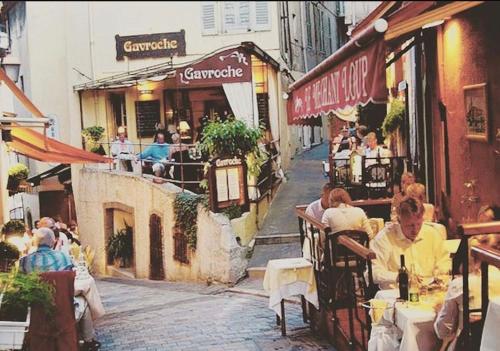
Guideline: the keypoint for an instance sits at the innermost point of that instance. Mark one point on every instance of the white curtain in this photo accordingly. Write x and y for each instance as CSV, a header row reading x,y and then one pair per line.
x,y
240,97
274,117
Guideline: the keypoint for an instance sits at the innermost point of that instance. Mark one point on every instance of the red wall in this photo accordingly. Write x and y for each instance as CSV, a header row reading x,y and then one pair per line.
x,y
470,48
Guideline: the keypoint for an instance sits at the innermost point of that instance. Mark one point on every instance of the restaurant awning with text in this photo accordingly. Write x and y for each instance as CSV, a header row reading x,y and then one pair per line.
x,y
347,82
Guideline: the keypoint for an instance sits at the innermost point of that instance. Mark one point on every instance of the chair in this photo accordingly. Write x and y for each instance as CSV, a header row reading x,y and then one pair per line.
x,y
376,180
58,333
186,172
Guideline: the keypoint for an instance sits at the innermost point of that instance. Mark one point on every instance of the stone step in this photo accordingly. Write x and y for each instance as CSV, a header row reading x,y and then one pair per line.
x,y
263,253
256,272
277,239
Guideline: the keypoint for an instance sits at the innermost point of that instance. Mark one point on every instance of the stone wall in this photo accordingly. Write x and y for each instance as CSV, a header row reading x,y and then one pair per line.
x,y
218,257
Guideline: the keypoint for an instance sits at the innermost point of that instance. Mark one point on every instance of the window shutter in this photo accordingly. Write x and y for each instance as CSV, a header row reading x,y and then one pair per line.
x,y
262,18
208,18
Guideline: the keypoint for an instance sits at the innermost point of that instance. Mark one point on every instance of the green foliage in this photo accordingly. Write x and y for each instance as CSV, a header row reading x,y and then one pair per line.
x,y
186,214
13,227
233,211
394,118
19,171
8,251
120,244
22,291
233,138
92,136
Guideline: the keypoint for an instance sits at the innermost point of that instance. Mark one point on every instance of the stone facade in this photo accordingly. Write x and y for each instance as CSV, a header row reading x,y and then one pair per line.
x,y
218,257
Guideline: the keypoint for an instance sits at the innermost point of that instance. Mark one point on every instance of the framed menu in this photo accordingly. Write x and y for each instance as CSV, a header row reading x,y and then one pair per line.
x,y
148,116
228,184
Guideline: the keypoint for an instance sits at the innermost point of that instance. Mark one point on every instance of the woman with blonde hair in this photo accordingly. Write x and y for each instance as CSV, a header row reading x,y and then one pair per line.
x,y
342,216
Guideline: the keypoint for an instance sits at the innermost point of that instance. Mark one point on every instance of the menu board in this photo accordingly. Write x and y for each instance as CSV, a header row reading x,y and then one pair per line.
x,y
263,109
148,116
228,183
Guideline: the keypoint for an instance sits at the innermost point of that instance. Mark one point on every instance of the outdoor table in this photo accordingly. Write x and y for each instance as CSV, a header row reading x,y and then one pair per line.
x,y
414,319
490,338
288,277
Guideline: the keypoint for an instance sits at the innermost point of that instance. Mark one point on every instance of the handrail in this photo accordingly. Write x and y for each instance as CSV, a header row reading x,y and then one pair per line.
x,y
356,248
301,213
486,254
471,229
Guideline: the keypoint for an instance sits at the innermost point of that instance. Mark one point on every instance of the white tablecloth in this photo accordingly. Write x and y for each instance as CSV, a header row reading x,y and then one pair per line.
x,y
288,277
415,321
490,340
88,289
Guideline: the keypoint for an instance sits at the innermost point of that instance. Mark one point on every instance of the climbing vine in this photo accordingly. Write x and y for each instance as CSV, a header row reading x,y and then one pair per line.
x,y
394,118
186,214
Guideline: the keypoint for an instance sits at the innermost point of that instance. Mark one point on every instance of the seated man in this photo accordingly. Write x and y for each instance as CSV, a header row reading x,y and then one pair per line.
x,y
417,191
420,243
318,207
407,178
62,242
342,216
45,259
374,151
123,151
156,153
176,146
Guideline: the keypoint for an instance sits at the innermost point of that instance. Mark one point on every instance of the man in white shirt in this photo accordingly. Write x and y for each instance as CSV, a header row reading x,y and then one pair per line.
x,y
318,207
373,151
123,151
420,243
342,216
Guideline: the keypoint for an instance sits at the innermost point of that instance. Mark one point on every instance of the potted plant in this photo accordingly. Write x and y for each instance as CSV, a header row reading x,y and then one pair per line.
x,y
20,292
9,254
120,247
92,136
17,175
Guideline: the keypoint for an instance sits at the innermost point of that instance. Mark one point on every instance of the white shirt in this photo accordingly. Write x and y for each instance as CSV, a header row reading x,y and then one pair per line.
x,y
373,154
315,210
426,252
63,244
345,217
118,148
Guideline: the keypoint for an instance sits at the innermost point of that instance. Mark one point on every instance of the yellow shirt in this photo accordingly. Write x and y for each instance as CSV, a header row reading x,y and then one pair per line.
x,y
426,252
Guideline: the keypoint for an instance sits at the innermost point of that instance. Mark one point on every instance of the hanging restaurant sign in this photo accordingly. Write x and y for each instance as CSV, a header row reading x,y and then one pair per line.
x,y
228,66
151,45
356,80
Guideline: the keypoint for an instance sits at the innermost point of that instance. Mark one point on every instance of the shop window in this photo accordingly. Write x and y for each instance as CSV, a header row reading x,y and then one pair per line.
x,y
180,246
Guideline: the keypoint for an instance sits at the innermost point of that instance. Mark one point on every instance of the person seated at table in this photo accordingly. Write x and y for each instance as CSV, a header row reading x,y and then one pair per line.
x,y
46,259
342,216
317,208
343,142
62,242
417,191
156,153
176,146
448,324
421,244
407,178
361,132
373,151
123,151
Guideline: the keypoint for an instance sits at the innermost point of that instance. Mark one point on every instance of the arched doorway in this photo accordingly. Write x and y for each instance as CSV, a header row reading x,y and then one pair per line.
x,y
156,271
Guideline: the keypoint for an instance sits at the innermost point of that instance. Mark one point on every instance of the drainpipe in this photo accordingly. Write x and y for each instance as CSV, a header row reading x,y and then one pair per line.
x,y
91,40
81,116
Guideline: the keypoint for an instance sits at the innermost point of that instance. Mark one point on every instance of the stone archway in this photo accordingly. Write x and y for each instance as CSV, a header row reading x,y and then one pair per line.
x,y
156,270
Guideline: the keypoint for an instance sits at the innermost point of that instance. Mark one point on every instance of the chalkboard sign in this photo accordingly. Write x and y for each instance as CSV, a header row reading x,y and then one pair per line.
x,y
148,116
263,109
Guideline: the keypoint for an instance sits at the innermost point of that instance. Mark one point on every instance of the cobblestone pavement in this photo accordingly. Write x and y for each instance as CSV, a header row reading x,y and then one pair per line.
x,y
143,315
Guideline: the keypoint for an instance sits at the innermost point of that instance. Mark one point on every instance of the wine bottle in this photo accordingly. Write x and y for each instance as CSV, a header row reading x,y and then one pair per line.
x,y
403,280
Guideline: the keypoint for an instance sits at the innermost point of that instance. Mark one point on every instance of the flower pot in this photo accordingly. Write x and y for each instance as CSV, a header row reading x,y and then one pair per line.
x,y
12,183
12,333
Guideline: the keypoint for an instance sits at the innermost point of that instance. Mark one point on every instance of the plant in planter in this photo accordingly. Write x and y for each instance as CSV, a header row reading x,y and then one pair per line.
x,y
17,175
394,118
186,214
92,136
120,246
9,254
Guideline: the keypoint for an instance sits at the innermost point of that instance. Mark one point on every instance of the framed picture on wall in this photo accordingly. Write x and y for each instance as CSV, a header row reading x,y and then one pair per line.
x,y
476,112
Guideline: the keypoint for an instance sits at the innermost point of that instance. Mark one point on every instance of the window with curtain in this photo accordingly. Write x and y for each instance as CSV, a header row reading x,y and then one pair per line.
x,y
309,24
321,31
329,37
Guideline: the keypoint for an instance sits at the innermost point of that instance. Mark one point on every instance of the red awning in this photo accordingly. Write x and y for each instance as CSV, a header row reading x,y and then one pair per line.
x,y
353,75
38,146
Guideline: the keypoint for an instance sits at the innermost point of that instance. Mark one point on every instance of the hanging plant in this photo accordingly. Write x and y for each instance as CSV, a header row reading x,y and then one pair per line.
x,y
186,215
19,171
233,138
394,118
92,136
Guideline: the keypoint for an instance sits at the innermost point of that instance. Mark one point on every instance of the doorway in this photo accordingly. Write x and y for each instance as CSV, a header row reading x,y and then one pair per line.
x,y
155,249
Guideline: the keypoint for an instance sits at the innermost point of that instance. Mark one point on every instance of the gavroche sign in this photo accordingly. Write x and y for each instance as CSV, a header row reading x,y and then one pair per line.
x,y
151,45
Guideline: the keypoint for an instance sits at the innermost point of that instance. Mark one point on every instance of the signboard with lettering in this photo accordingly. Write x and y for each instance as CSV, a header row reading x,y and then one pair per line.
x,y
148,116
228,66
357,80
151,45
228,185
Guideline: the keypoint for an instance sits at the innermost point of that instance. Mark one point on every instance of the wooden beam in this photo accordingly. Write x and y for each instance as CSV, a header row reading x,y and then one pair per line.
x,y
356,247
486,254
417,22
479,228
